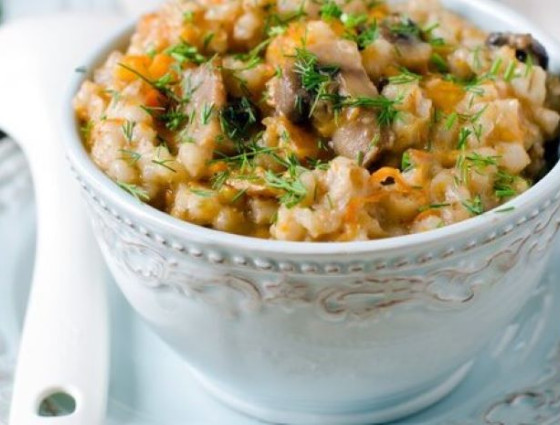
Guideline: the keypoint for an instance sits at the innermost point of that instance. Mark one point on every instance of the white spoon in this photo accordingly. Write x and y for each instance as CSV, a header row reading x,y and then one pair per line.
x,y
64,347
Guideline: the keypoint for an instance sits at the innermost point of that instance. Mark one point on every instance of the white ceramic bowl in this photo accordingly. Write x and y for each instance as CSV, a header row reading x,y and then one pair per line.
x,y
334,333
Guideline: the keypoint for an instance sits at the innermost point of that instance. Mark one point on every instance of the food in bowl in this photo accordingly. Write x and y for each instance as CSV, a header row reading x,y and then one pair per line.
x,y
320,121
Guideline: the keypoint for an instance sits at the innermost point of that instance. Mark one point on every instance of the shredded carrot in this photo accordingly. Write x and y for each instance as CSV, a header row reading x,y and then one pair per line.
x,y
445,94
153,98
139,63
351,213
192,34
216,167
388,172
379,12
160,66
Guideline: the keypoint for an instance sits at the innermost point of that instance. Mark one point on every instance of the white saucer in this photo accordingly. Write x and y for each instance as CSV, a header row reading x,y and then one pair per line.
x,y
516,381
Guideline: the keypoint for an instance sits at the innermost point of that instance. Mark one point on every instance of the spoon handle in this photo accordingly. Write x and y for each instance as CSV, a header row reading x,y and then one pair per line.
x,y
64,348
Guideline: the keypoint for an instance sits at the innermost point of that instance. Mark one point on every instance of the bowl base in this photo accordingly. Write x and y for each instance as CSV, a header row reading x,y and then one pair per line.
x,y
390,412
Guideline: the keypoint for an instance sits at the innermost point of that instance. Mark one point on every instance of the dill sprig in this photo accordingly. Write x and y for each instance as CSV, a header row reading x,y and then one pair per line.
x,y
219,179
276,24
387,111
294,191
164,163
464,134
481,161
405,77
406,162
352,21
161,84
474,206
247,153
206,113
503,185
434,207
128,130
237,119
439,62
428,35
315,78
368,35
405,28
86,129
135,191
330,10
253,57
312,75
184,52
132,157
201,192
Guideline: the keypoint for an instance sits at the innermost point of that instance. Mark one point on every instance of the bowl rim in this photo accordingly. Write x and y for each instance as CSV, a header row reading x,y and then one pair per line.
x,y
150,217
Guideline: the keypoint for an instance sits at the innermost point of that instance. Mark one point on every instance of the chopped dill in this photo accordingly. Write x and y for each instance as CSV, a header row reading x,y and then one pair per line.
x,y
509,74
406,162
293,189
433,207
128,130
206,113
202,193
163,163
352,21
464,134
219,179
184,52
481,161
405,77
86,129
161,84
238,196
132,157
387,111
237,118
135,191
474,206
330,10
439,62
406,28
368,35
503,185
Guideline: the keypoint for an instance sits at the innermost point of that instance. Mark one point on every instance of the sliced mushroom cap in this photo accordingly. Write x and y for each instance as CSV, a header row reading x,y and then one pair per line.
x,y
204,85
359,138
355,138
205,88
397,28
288,96
524,45
344,54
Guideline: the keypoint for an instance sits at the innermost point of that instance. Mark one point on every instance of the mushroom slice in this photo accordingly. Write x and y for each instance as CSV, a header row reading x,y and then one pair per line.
x,y
288,96
398,28
205,88
524,45
344,54
359,138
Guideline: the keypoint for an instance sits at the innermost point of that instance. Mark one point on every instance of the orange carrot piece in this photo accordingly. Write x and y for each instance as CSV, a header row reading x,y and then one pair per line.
x,y
160,66
138,63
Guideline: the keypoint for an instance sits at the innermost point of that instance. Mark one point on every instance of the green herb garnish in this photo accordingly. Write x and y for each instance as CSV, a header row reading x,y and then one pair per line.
x,y
135,191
